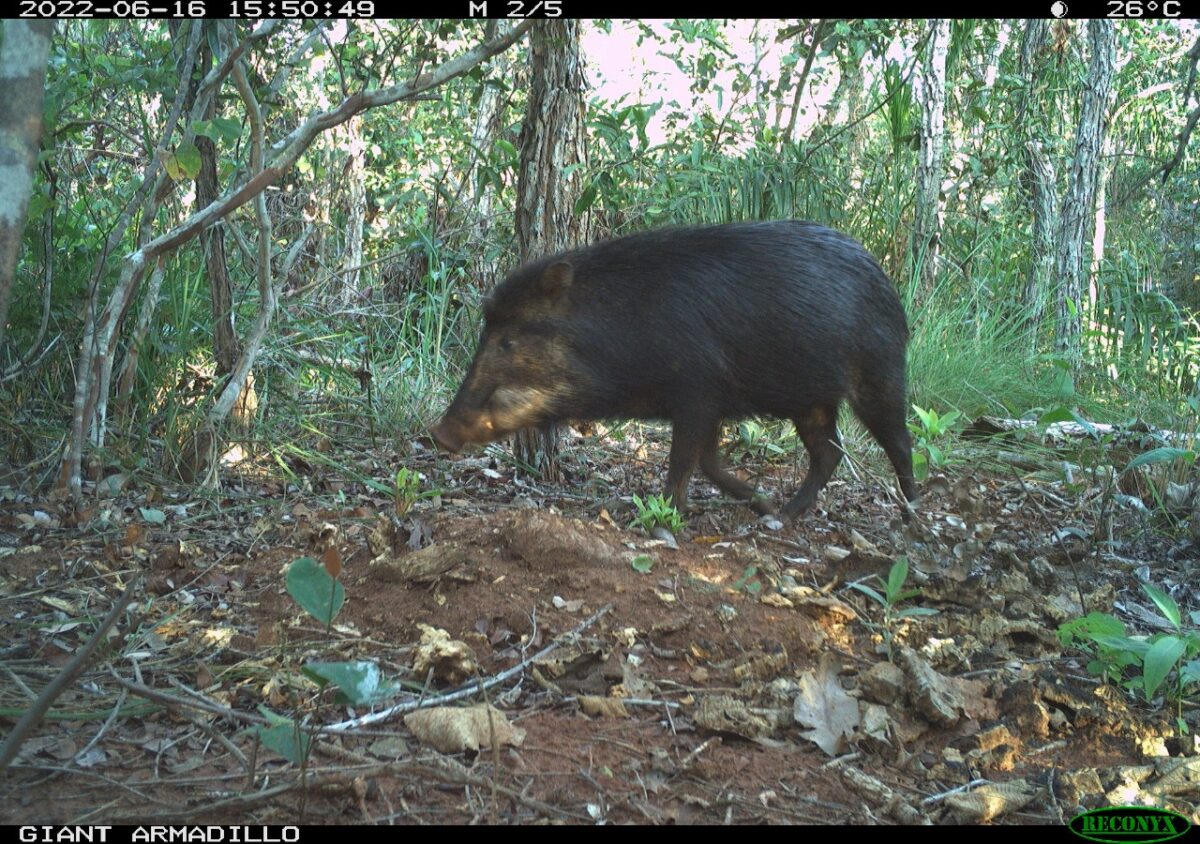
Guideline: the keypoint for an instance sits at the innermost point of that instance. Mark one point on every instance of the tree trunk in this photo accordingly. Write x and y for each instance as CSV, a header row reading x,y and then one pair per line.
x,y
356,208
488,121
24,52
1039,177
931,95
212,240
1045,221
802,82
1081,187
855,127
1100,224
552,140
829,114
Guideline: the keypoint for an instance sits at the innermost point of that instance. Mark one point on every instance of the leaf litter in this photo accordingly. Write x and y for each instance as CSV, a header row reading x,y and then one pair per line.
x,y
740,679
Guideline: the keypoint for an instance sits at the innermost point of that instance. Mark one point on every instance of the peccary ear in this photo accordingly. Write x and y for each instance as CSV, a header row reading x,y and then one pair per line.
x,y
556,278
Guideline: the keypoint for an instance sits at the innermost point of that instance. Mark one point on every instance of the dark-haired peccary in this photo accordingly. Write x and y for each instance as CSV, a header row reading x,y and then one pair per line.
x,y
697,325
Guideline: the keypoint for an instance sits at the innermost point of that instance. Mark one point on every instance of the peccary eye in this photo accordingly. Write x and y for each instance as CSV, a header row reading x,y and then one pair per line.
x,y
507,344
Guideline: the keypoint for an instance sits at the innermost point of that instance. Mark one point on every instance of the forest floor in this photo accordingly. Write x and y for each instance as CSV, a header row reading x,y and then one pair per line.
x,y
738,678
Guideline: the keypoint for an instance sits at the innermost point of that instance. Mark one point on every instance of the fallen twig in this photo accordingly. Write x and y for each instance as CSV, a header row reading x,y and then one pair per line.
x,y
467,690
34,714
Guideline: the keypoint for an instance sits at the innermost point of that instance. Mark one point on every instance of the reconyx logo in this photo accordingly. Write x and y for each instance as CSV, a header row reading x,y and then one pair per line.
x,y
1121,824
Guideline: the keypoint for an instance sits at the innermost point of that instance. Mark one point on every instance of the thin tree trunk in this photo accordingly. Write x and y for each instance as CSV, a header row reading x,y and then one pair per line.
x,y
216,266
1081,187
549,181
802,82
356,210
24,53
1040,176
1045,222
488,120
1100,221
987,80
93,367
128,372
931,96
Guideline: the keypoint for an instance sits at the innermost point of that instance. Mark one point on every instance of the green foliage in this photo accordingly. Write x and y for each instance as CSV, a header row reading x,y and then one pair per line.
x,y
439,184
359,683
285,736
1142,664
761,440
1141,335
890,599
1163,454
407,490
972,352
900,112
929,427
312,587
1164,465
153,515
1091,632
656,511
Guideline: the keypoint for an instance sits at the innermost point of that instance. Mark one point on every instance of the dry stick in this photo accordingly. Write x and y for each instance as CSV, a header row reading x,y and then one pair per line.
x,y
233,749
937,798
465,691
112,716
687,761
253,766
1058,538
18,682
33,716
204,705
173,700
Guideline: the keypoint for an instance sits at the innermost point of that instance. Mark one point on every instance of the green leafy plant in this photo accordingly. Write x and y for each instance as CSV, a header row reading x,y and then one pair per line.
x,y
756,438
1089,633
1143,664
892,596
657,511
929,427
360,682
407,491
315,590
285,736
315,587
1162,455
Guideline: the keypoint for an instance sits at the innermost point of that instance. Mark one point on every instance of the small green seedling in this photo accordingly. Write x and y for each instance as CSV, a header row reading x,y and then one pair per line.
x,y
408,490
657,511
284,736
892,595
314,585
755,438
1118,656
929,427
